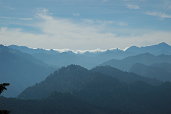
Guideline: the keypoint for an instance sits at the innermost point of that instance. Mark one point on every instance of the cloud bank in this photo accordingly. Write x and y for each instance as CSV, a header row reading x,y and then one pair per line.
x,y
60,33
133,6
158,14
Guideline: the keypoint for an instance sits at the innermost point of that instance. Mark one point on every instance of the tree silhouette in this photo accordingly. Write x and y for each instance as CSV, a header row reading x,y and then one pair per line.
x,y
2,88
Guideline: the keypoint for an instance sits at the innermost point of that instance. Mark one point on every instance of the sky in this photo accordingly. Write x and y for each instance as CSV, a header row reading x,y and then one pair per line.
x,y
84,24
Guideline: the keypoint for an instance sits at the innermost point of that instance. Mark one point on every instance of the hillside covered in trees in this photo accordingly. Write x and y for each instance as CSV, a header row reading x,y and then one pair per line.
x,y
102,90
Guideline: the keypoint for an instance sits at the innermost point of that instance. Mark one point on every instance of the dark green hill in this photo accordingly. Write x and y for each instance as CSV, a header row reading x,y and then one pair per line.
x,y
67,79
74,89
57,103
74,78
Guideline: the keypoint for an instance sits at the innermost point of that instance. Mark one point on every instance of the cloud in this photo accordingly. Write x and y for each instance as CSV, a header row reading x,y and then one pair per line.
x,y
76,14
14,18
169,7
67,27
61,33
158,14
4,6
104,22
133,6
105,0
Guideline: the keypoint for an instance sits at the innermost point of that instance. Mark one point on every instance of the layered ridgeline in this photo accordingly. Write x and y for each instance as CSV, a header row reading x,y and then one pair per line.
x,y
32,64
147,59
160,71
20,70
104,88
147,65
59,59
91,59
161,48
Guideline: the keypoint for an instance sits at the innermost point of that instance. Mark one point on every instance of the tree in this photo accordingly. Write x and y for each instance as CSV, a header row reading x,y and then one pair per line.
x,y
2,88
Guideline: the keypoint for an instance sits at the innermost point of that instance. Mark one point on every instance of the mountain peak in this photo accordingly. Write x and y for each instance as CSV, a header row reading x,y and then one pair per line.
x,y
132,48
73,67
163,44
2,46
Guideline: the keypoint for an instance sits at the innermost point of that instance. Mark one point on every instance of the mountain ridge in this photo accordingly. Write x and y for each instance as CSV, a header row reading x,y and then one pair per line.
x,y
90,59
20,69
25,48
74,78
145,58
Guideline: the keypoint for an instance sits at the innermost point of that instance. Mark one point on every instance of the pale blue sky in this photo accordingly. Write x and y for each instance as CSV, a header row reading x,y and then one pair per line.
x,y
85,24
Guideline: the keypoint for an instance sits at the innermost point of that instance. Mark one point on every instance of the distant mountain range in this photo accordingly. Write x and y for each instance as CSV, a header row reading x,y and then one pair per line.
x,y
147,65
91,59
146,59
160,71
162,48
22,66
20,70
134,81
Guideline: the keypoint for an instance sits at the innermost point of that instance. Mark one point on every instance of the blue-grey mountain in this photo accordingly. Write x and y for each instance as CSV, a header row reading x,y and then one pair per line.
x,y
160,71
74,78
21,70
99,87
91,59
146,59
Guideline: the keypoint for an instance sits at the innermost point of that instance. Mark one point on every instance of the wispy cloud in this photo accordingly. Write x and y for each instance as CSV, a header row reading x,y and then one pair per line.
x,y
60,33
158,14
76,14
14,18
6,6
169,7
104,22
133,6
105,0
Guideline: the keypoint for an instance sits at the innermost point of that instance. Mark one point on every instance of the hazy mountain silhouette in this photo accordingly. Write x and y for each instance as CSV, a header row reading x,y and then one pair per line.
x,y
122,76
100,96
160,71
74,78
74,89
158,49
77,87
146,59
59,59
135,98
67,79
20,69
91,59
